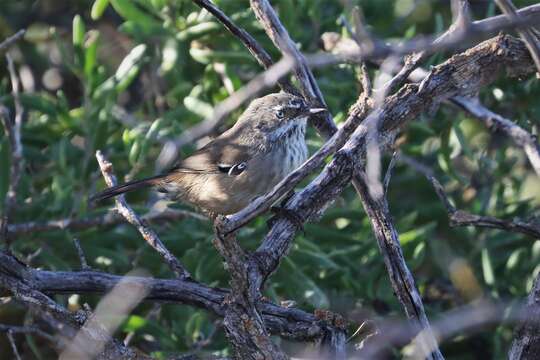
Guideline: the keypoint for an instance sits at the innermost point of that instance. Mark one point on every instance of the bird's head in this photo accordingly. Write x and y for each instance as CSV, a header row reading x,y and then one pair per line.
x,y
278,115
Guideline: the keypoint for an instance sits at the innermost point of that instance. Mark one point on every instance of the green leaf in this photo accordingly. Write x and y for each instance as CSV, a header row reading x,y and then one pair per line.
x,y
487,268
134,323
129,11
98,8
90,53
305,286
198,106
125,74
196,31
78,31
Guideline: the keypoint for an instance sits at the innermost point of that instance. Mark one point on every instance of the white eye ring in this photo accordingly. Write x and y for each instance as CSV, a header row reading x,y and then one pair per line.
x,y
280,114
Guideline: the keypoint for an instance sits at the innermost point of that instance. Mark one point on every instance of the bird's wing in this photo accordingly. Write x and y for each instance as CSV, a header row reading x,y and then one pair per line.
x,y
215,158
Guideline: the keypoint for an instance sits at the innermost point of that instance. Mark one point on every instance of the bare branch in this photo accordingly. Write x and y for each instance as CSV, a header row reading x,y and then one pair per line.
x,y
463,218
249,41
7,43
477,67
495,121
109,219
401,277
281,39
13,345
147,233
526,344
261,204
290,323
526,34
13,133
80,253
454,38
243,322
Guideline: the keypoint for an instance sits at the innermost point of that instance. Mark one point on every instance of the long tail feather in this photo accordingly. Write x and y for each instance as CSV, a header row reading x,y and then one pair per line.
x,y
123,188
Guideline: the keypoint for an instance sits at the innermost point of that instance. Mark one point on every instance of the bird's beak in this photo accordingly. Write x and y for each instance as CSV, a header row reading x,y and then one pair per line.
x,y
316,110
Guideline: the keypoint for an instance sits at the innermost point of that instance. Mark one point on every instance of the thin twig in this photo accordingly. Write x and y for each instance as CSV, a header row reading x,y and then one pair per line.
x,y
109,219
282,40
4,45
484,61
13,345
389,171
14,329
258,52
80,253
526,35
520,136
261,204
13,132
463,218
147,233
262,81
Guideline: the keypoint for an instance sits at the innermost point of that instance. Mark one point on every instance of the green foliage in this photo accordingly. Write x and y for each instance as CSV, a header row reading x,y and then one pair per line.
x,y
125,76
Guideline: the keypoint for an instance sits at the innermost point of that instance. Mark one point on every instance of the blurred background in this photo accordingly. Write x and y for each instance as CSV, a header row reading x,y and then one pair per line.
x,y
126,76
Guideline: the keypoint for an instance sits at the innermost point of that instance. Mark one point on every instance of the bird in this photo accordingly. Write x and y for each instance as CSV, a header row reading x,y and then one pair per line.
x,y
266,143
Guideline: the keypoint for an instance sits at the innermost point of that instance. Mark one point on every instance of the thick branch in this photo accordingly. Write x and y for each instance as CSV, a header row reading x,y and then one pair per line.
x,y
289,323
526,34
242,319
526,344
18,279
468,71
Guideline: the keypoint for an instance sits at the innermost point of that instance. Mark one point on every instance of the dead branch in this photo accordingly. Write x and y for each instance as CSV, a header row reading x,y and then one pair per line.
x,y
476,67
109,219
493,121
526,34
7,43
258,52
463,218
147,233
526,344
13,133
290,323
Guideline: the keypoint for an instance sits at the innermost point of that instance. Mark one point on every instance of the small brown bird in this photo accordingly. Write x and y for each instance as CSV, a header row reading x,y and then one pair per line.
x,y
266,143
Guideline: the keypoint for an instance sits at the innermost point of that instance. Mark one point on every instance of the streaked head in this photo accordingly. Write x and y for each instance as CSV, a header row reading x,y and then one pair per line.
x,y
277,114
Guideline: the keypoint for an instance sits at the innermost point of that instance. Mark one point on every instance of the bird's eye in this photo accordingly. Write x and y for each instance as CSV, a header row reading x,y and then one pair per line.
x,y
280,114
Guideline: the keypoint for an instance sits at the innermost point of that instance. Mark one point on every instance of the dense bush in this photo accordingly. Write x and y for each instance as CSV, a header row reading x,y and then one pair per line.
x,y
125,76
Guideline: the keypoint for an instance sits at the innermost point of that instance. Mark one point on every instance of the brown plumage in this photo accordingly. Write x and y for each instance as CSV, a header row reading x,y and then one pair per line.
x,y
266,143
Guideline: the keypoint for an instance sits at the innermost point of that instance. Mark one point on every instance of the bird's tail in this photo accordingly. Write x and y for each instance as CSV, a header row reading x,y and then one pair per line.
x,y
123,188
